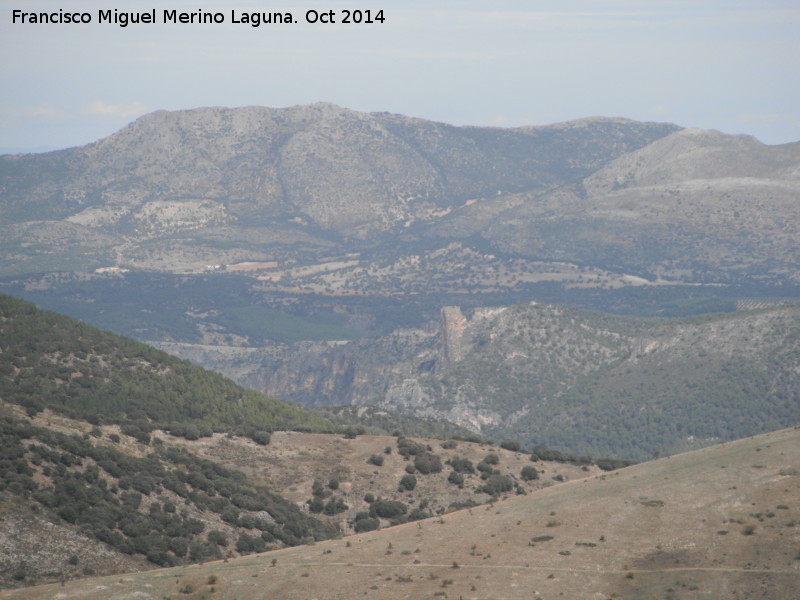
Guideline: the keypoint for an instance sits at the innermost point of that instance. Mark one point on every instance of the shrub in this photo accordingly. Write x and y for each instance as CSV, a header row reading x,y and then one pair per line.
x,y
497,484
486,469
461,465
529,473
376,459
191,432
407,482
318,489
512,445
367,524
491,459
217,538
406,447
456,478
261,437
316,505
611,464
418,514
427,463
335,506
387,509
351,432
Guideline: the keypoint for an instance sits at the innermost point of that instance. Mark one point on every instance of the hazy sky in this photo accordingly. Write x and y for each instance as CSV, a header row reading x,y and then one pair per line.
x,y
732,65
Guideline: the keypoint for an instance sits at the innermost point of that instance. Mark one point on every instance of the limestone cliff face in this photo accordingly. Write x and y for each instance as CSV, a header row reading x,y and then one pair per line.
x,y
453,333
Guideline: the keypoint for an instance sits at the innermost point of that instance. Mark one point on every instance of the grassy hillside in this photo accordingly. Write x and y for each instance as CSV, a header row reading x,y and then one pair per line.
x,y
156,502
49,360
721,522
78,499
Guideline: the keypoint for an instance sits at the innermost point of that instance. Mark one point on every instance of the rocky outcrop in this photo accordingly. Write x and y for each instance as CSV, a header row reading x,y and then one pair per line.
x,y
543,372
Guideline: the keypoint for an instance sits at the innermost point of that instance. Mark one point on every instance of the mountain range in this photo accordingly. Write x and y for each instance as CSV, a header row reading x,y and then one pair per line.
x,y
337,257
178,191
596,287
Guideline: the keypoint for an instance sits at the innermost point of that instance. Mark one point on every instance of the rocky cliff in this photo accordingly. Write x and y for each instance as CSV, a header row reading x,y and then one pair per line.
x,y
586,381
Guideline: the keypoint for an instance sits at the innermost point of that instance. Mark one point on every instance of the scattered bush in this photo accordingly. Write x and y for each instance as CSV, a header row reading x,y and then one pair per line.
x,y
407,483
461,465
497,484
367,524
387,509
376,459
351,432
491,459
512,445
335,506
456,478
261,438
406,447
529,473
427,463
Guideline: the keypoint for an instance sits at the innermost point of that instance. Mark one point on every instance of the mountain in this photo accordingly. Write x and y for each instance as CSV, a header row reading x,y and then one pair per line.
x,y
588,382
259,178
314,249
720,522
279,190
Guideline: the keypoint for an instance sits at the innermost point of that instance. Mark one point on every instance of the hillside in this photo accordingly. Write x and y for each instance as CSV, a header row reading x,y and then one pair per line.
x,y
78,499
721,522
587,382
115,457
81,500
50,360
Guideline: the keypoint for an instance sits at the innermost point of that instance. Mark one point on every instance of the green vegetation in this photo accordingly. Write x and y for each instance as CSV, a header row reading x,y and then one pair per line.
x,y
497,484
393,510
78,370
155,505
407,483
461,465
427,463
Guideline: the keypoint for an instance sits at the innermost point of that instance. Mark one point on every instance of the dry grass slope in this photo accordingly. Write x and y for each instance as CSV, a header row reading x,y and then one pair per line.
x,y
721,522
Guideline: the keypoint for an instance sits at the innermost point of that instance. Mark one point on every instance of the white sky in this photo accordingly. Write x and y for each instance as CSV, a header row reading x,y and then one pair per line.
x,y
732,65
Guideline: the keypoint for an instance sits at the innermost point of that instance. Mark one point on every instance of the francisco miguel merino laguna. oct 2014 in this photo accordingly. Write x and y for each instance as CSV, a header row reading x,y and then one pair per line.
x,y
198,17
